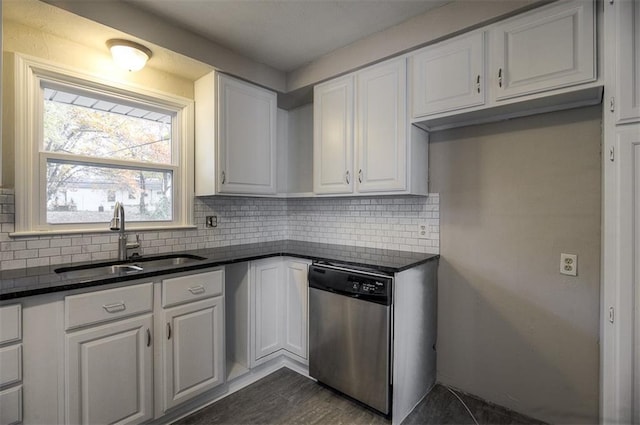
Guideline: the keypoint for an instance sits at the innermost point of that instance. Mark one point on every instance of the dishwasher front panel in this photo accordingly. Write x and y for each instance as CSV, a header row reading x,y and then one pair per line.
x,y
349,346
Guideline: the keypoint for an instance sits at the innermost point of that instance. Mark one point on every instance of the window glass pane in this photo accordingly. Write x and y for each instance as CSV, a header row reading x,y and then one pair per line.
x,y
87,194
81,125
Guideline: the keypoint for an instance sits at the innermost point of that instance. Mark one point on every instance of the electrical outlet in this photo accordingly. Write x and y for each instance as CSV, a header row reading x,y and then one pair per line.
x,y
569,264
211,221
423,231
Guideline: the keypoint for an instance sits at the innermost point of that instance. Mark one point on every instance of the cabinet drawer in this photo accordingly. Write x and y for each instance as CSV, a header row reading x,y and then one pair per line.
x,y
101,306
10,323
11,406
11,365
193,287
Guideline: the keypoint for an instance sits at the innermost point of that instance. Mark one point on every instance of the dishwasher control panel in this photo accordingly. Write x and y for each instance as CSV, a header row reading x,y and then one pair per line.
x,y
356,284
367,286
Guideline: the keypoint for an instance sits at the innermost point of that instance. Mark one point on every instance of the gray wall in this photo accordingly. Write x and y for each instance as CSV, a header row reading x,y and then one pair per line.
x,y
513,196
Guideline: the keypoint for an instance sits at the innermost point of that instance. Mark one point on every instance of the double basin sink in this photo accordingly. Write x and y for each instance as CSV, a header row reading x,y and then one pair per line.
x,y
115,268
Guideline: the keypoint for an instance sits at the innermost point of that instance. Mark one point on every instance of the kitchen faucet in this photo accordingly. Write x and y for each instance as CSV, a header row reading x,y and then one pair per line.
x,y
117,224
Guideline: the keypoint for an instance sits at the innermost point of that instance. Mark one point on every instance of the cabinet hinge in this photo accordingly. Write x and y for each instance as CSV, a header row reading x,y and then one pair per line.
x,y
611,314
612,154
612,104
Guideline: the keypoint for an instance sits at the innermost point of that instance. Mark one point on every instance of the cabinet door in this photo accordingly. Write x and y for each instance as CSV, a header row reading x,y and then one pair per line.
x,y
193,350
11,406
448,76
628,61
267,296
547,48
296,305
246,137
382,127
333,137
109,373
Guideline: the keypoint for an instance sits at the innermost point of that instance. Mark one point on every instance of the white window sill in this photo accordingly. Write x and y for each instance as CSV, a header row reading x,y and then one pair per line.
x,y
128,229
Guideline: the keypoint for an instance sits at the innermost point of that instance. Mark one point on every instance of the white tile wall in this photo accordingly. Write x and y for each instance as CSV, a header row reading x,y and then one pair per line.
x,y
389,222
379,222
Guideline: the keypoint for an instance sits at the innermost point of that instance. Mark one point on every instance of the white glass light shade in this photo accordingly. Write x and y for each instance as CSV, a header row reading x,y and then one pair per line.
x,y
129,55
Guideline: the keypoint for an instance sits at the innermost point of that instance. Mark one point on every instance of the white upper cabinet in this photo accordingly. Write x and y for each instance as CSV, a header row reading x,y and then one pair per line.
x,y
627,61
247,135
235,137
449,75
547,48
538,61
381,130
366,112
333,136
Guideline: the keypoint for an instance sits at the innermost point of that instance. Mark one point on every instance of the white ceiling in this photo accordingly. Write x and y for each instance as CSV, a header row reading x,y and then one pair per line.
x,y
285,34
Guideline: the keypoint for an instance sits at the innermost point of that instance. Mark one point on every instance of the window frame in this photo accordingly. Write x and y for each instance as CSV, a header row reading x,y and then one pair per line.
x,y
30,175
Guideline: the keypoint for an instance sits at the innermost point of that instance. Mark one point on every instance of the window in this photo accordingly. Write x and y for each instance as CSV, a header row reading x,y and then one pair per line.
x,y
90,144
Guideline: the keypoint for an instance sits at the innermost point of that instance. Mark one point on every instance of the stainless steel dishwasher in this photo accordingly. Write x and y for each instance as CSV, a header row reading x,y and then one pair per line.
x,y
350,314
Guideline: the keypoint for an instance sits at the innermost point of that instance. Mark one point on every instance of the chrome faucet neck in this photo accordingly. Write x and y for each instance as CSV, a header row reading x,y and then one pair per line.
x,y
118,224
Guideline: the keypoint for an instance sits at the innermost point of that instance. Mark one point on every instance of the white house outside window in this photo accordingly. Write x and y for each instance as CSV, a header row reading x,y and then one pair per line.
x,y
89,144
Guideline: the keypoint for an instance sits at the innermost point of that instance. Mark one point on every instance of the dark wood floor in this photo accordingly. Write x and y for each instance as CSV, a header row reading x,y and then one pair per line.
x,y
285,397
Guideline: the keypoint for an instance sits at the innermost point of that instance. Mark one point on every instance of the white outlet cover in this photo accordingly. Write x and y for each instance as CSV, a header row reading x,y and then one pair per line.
x,y
569,264
423,231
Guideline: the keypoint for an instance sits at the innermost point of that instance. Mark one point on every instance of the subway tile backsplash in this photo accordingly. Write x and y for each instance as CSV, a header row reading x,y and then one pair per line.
x,y
389,222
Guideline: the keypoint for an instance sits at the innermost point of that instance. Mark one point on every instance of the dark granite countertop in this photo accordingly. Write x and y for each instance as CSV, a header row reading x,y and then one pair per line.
x,y
41,280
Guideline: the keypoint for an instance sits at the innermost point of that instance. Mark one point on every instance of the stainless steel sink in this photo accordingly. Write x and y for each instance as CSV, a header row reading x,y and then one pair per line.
x,y
168,260
128,267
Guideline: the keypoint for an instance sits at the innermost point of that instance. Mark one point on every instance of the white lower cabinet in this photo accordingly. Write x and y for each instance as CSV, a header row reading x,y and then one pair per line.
x,y
193,350
11,406
11,364
279,309
296,290
113,373
267,280
109,373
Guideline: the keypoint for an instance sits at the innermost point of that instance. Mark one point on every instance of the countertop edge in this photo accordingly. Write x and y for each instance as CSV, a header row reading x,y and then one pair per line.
x,y
205,264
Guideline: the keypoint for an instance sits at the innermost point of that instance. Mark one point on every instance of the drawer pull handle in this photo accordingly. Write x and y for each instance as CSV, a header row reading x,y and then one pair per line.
x,y
148,337
500,77
195,290
168,330
478,83
115,307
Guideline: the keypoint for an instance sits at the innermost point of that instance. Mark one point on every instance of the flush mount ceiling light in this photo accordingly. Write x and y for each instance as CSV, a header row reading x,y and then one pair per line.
x,y
128,54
